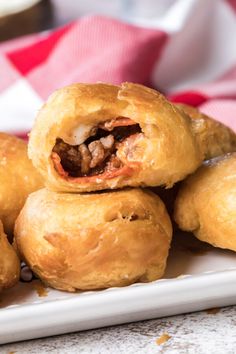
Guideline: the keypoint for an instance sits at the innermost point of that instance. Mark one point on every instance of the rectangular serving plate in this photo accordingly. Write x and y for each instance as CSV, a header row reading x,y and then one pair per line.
x,y
198,277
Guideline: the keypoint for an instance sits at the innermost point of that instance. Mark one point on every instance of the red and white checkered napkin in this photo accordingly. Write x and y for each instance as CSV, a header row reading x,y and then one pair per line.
x,y
189,53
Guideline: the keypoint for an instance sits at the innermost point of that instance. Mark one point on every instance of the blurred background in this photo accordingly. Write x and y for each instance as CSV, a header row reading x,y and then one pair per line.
x,y
18,17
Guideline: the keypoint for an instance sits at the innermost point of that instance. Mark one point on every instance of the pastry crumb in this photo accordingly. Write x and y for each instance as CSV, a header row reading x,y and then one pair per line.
x,y
163,339
40,288
213,311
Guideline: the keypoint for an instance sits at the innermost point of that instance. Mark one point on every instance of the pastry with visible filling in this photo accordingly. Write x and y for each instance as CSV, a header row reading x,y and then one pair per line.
x,y
18,178
94,241
90,137
206,202
214,138
9,263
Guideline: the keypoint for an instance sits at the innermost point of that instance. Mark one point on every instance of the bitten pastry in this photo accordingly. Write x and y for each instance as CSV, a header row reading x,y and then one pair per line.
x,y
206,203
214,138
90,137
18,178
9,263
94,241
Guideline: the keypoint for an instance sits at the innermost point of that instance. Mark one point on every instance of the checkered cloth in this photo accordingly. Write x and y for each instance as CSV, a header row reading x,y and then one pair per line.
x,y
189,54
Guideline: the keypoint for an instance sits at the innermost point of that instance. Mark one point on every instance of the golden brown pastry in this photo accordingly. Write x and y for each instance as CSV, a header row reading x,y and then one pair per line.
x,y
90,137
214,138
9,263
94,241
18,178
206,202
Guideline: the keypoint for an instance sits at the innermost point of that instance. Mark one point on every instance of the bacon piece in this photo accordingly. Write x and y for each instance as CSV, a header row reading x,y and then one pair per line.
x,y
98,153
108,142
100,150
85,158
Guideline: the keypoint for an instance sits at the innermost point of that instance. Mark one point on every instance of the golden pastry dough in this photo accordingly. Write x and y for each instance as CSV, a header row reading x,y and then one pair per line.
x,y
94,241
206,203
18,178
214,138
90,137
9,263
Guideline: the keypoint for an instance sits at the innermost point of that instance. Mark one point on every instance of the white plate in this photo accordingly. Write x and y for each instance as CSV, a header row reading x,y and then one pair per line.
x,y
198,277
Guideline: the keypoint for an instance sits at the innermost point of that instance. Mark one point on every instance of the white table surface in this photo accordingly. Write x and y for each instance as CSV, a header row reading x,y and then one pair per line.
x,y
195,333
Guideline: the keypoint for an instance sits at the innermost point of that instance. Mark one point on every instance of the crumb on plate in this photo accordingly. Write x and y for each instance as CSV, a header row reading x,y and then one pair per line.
x,y
163,339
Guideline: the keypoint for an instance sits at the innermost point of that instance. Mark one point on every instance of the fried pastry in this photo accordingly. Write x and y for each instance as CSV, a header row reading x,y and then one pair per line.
x,y
9,263
214,138
90,137
96,240
18,178
206,203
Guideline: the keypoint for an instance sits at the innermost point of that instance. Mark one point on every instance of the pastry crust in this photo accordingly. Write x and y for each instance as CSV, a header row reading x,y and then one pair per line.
x,y
164,152
94,241
18,178
214,138
206,203
9,263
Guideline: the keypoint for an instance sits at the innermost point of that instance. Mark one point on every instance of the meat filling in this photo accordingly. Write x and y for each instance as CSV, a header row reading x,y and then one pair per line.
x,y
98,152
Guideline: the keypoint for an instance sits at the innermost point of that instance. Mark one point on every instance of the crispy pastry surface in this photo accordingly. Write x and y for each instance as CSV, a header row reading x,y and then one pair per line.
x,y
206,202
18,178
94,241
163,153
214,138
9,262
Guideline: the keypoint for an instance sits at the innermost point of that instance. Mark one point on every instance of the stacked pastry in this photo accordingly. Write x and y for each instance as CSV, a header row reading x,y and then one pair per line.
x,y
206,201
92,227
18,179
